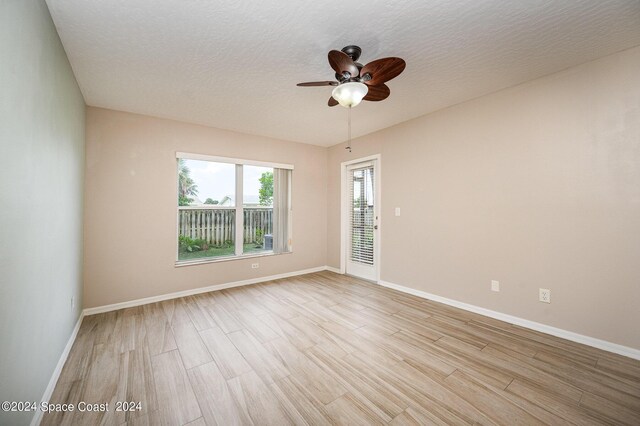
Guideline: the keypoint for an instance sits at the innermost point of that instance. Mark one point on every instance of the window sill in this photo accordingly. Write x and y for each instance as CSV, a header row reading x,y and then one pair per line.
x,y
181,263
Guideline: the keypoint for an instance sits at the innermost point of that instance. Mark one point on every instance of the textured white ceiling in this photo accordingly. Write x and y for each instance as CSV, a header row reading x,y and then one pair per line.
x,y
233,64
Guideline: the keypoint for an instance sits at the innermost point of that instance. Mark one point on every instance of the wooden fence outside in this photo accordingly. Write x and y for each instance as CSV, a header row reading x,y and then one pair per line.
x,y
217,225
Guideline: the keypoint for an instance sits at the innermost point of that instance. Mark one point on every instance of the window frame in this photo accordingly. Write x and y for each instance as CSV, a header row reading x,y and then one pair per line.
x,y
239,209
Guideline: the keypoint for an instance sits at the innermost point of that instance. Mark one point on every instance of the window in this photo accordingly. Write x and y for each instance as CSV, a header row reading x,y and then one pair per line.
x,y
229,208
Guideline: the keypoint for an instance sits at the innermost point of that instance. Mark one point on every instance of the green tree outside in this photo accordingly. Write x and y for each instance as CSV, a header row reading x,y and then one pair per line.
x,y
186,185
266,189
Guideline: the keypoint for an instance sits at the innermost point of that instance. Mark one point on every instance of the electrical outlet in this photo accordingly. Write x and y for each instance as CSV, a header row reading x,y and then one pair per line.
x,y
255,265
73,303
495,285
545,295
397,211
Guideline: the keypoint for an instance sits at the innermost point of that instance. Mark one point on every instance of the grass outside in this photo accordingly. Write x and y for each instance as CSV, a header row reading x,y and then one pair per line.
x,y
218,252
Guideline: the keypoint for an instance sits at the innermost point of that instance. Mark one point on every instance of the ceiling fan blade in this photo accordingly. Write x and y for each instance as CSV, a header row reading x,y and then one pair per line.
x,y
377,93
341,62
383,70
318,83
332,102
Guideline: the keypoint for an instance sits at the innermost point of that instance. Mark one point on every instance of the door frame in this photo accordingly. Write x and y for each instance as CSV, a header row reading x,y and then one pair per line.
x,y
344,211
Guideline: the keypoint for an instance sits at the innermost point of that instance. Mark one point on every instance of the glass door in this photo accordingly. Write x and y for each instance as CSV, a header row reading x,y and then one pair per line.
x,y
362,220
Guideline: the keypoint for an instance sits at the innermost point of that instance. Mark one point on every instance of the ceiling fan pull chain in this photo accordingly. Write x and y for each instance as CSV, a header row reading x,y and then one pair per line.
x,y
349,133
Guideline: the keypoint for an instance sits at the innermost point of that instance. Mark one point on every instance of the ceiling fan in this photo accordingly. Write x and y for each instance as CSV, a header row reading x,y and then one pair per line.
x,y
356,82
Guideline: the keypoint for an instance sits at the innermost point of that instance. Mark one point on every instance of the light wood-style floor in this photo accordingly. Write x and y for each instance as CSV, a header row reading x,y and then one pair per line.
x,y
329,349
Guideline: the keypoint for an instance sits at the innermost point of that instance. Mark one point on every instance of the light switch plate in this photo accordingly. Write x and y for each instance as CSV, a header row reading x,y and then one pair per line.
x,y
397,211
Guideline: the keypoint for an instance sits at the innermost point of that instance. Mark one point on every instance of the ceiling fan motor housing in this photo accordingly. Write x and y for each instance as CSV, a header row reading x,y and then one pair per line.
x,y
353,52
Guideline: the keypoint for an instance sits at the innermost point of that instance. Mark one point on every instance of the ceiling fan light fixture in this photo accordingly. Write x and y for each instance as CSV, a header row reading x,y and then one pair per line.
x,y
350,94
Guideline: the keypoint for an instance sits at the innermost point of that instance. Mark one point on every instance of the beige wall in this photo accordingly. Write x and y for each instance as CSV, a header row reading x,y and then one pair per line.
x,y
534,186
41,180
130,216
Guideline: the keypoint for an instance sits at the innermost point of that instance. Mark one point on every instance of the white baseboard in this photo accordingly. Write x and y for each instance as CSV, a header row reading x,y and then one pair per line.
x,y
554,331
168,296
332,269
37,417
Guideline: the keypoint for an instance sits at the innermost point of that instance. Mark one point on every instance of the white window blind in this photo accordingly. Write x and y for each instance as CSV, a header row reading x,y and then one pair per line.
x,y
361,215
